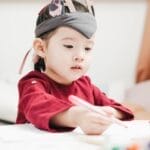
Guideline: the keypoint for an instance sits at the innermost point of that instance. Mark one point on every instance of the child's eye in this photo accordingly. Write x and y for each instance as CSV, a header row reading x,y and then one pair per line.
x,y
68,46
88,49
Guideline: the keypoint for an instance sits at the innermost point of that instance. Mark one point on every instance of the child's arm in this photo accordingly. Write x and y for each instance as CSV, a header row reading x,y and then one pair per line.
x,y
120,111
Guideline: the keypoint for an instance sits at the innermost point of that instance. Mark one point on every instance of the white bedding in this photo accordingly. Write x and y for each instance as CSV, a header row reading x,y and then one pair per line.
x,y
8,100
26,136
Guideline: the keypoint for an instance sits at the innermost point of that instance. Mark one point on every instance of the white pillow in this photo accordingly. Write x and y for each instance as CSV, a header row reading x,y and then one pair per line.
x,y
140,94
8,100
116,90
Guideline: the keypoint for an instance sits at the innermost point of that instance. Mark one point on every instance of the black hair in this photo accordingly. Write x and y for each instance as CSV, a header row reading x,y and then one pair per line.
x,y
43,16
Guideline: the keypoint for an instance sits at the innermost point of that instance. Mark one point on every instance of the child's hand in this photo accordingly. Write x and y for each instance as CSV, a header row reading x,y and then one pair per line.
x,y
110,111
91,122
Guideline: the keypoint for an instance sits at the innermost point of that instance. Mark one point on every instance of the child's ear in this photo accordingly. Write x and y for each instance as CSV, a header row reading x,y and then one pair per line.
x,y
39,47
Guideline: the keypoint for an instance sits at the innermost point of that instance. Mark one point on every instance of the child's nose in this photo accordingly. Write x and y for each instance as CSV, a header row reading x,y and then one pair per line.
x,y
78,57
75,58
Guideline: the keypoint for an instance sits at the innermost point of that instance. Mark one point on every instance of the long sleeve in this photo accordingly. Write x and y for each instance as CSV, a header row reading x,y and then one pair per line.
x,y
102,100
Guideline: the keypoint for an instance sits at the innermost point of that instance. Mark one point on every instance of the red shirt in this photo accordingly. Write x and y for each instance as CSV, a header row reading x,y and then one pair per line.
x,y
40,98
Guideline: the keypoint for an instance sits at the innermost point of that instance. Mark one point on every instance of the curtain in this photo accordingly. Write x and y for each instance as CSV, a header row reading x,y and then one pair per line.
x,y
143,64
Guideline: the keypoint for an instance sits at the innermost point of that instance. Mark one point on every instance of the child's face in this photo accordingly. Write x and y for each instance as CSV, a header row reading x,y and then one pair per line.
x,y
68,55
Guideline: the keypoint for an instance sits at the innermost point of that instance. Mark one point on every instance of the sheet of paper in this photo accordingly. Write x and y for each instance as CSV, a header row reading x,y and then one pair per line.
x,y
116,134
135,129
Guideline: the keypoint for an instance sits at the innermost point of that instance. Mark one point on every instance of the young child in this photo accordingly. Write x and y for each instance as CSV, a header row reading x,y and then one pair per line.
x,y
63,46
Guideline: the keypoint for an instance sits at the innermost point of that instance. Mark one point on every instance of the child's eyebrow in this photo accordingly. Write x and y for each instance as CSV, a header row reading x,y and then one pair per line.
x,y
68,38
90,42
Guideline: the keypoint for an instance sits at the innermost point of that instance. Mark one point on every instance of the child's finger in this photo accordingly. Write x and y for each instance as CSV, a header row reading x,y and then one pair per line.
x,y
108,110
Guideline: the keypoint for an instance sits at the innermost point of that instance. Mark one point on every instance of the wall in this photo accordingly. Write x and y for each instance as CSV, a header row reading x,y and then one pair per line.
x,y
120,29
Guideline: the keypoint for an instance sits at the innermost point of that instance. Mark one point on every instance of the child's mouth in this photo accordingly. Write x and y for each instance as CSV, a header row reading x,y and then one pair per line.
x,y
76,68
